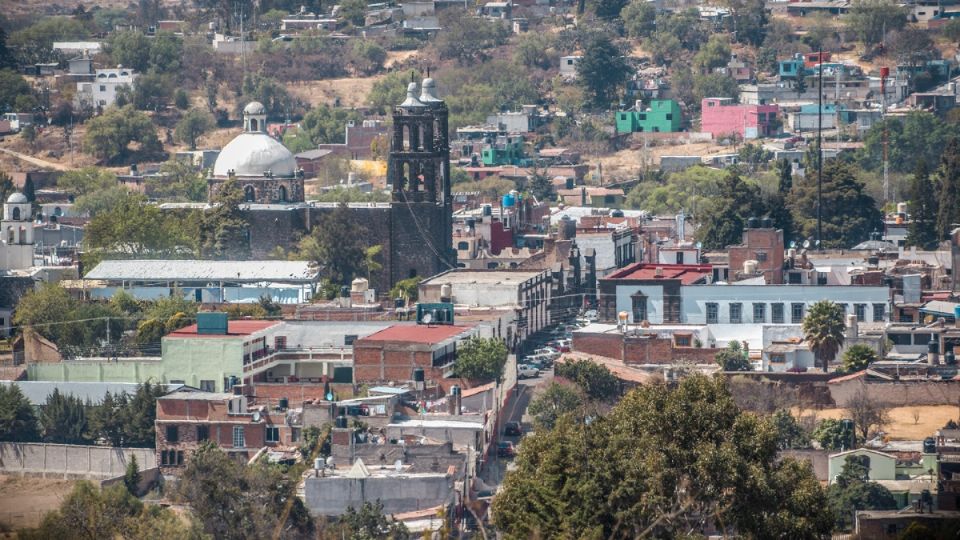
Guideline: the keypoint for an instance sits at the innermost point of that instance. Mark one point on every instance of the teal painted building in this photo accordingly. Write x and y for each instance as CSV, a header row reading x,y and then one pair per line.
x,y
663,116
507,150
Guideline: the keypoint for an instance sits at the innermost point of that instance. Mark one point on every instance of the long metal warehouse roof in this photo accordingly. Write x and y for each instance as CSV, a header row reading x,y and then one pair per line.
x,y
193,270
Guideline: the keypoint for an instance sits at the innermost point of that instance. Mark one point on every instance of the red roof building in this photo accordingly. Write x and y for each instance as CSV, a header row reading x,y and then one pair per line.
x,y
234,328
668,276
393,353
687,274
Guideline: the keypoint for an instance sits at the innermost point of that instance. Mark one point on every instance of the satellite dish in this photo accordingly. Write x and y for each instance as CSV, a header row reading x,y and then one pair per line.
x,y
793,244
427,318
699,245
329,396
256,416
806,244
398,465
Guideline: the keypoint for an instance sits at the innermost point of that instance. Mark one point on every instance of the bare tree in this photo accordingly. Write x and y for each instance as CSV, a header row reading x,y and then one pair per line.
x,y
867,413
916,416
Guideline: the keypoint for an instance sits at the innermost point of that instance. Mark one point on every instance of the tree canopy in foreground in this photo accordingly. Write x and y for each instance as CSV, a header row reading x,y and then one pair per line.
x,y
664,462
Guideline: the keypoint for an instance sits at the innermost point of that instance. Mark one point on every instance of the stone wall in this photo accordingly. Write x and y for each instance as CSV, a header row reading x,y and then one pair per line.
x,y
331,496
71,461
898,393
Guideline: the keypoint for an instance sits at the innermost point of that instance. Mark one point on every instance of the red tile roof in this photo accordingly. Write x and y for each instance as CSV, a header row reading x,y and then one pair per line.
x,y
686,273
419,333
234,328
849,377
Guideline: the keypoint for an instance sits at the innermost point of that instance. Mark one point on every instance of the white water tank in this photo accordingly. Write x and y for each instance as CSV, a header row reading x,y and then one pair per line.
x,y
901,208
359,285
446,291
750,267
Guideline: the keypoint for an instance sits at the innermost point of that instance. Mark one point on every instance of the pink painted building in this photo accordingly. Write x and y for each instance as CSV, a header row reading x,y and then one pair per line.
x,y
721,116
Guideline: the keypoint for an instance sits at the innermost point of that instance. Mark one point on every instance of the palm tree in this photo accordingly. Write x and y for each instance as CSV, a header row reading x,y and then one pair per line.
x,y
823,328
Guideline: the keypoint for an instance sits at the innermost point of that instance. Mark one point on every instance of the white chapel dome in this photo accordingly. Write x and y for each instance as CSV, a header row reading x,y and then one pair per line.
x,y
17,198
251,154
254,107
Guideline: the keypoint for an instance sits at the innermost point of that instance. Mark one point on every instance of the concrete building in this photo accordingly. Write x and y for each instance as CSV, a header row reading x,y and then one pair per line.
x,y
568,66
394,353
662,115
527,292
905,474
722,117
761,253
102,91
358,139
807,119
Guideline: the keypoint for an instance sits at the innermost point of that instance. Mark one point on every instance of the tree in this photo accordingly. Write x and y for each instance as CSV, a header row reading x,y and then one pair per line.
x,y
834,434
608,9
181,99
715,53
7,187
12,86
555,401
913,47
535,50
179,180
869,19
79,182
715,85
106,419
325,125
63,419
849,214
919,135
639,19
748,21
733,358
857,358
823,329
852,490
152,91
948,196
236,502
34,44
130,48
387,92
691,190
367,56
369,522
467,39
779,212
480,359
867,412
7,60
193,124
661,460
724,219
922,231
407,289
166,53
541,185
790,434
337,244
109,135
595,380
352,11
134,229
602,71
224,231
132,477
17,421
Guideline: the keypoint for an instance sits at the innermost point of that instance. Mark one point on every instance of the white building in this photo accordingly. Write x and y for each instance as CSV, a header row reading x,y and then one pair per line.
x,y
102,91
568,66
16,244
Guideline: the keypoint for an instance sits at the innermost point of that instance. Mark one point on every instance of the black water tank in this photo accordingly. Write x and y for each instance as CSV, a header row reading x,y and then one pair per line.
x,y
873,261
616,213
344,292
418,374
949,358
284,403
929,445
933,347
766,223
752,223
341,422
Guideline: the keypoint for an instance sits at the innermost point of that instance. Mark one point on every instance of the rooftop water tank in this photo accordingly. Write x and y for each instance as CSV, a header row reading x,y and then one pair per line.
x,y
359,285
509,200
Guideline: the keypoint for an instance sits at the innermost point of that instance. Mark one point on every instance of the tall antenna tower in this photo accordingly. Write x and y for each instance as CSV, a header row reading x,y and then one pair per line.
x,y
884,73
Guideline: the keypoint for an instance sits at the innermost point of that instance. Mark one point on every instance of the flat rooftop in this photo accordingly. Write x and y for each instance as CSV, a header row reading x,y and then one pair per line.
x,y
234,328
198,396
197,270
688,274
492,277
420,333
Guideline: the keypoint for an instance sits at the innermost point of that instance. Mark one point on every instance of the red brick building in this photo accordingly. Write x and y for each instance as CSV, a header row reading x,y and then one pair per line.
x,y
644,348
393,353
186,419
763,245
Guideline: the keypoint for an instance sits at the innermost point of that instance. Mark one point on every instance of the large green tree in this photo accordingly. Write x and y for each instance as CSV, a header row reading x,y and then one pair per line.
x,y
659,464
724,218
919,135
110,135
602,71
733,358
870,19
556,400
134,229
338,245
194,123
596,380
922,231
12,86
225,228
63,419
480,359
17,420
823,329
857,358
849,214
326,124
692,190
852,491
639,18
948,182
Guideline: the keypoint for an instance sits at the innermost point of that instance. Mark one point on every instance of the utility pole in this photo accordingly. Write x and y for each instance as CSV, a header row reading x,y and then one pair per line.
x,y
820,153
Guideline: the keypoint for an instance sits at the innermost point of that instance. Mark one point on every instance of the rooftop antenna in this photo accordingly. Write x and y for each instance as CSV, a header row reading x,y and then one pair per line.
x,y
820,153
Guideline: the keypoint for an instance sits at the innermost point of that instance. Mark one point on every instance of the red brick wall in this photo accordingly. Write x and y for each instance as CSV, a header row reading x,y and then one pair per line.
x,y
381,361
640,350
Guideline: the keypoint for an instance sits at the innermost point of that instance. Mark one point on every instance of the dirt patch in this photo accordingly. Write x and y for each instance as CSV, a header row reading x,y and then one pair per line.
x,y
25,500
903,427
628,163
352,91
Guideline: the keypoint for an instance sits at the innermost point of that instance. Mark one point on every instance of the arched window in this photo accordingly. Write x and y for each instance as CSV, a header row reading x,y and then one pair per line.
x,y
23,235
58,211
16,213
253,124
282,194
249,194
10,235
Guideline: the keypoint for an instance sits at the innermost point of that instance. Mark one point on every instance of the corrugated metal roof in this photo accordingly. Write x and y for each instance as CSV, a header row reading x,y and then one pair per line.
x,y
195,270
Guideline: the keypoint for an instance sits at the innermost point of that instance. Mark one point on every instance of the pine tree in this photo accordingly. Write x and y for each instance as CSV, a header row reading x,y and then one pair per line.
x,y
29,191
106,420
225,229
778,211
17,421
63,419
849,213
724,219
923,210
132,477
948,177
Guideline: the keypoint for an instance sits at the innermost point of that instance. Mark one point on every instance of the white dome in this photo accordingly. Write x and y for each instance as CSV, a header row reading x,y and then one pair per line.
x,y
17,198
251,154
254,107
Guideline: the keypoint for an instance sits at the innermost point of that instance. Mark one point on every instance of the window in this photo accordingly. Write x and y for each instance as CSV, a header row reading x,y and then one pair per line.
x,y
349,339
208,386
203,433
736,313
639,307
776,312
712,312
679,257
16,214
609,199
294,435
669,116
239,441
879,312
681,340
173,434
759,313
103,88
179,457
777,358
796,313
860,310
463,246
273,434
761,256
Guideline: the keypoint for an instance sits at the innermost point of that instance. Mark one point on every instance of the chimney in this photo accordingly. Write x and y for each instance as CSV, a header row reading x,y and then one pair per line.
x,y
454,400
852,327
933,348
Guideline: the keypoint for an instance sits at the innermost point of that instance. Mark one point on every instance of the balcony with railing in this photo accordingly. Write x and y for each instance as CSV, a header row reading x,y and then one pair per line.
x,y
262,359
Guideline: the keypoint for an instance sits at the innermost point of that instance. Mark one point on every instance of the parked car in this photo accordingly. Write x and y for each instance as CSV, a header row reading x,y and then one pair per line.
x,y
539,361
547,351
512,429
563,345
525,371
505,449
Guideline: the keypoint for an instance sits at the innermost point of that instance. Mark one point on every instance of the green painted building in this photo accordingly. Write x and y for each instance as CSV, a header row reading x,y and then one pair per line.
x,y
663,116
507,150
